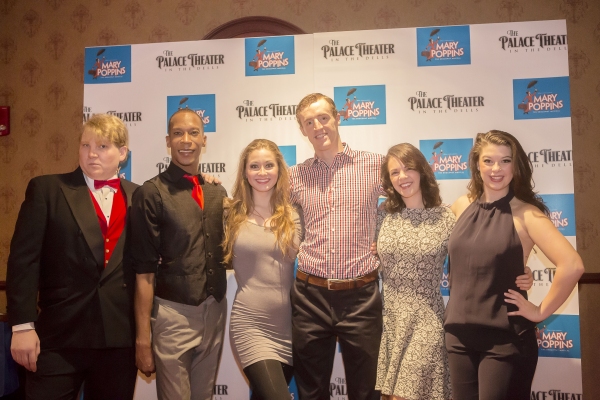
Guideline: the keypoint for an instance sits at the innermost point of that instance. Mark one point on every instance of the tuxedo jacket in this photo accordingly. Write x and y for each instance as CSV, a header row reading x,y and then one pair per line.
x,y
56,276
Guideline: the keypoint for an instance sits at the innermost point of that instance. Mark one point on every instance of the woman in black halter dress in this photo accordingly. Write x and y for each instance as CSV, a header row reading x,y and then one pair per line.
x,y
489,323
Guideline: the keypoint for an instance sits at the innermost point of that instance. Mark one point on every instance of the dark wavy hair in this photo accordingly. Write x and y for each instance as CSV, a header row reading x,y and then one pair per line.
x,y
413,159
522,182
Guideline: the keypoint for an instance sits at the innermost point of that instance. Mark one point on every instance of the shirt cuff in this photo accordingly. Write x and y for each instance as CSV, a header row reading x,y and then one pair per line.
x,y
23,327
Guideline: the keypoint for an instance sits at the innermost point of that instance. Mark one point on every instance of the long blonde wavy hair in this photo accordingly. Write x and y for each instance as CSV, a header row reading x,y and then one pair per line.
x,y
238,208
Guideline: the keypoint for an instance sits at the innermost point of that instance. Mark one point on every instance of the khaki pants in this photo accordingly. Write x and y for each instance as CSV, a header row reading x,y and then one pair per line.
x,y
187,342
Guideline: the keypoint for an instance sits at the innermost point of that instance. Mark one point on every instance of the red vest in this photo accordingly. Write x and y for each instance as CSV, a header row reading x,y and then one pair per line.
x,y
112,232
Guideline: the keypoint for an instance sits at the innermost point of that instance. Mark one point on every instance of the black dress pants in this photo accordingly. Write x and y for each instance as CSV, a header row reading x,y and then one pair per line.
x,y
105,373
319,317
491,364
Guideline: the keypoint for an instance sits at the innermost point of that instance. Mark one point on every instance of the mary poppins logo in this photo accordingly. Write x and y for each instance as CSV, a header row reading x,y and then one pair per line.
x,y
444,46
361,105
270,56
541,98
108,65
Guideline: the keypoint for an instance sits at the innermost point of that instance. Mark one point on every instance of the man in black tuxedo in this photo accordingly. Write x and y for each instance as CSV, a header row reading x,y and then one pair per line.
x,y
68,250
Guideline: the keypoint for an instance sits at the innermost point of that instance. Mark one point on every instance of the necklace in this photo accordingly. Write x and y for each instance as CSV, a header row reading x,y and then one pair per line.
x,y
258,215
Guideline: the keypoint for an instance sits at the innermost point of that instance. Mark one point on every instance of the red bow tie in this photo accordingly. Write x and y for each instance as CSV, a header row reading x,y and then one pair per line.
x,y
113,183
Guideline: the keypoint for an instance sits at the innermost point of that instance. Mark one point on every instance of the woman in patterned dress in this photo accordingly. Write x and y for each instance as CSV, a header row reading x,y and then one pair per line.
x,y
412,236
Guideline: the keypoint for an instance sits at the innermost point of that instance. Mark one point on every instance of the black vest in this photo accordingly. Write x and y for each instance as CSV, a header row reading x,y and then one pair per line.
x,y
192,258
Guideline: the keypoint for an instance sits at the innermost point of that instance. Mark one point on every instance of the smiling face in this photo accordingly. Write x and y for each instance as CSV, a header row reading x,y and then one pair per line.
x,y
262,170
186,139
406,182
495,167
99,158
321,128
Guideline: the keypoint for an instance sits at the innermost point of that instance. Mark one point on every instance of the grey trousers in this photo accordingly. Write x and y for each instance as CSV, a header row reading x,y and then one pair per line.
x,y
187,343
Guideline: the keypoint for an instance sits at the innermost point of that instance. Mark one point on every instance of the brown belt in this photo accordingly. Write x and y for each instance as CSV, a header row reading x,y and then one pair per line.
x,y
337,284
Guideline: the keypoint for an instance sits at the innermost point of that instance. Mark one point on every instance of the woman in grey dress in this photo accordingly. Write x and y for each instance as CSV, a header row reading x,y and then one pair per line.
x,y
262,234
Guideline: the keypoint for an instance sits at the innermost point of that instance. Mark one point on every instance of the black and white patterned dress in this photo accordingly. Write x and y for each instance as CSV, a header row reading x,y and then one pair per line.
x,y
412,246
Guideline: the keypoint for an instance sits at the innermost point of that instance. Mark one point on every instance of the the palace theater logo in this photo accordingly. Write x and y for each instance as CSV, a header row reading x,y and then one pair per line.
x,y
543,277
515,43
87,113
336,50
338,388
163,164
562,211
270,56
361,105
423,103
130,118
555,394
537,98
250,111
170,61
203,104
449,45
107,64
551,158
449,158
220,392
558,336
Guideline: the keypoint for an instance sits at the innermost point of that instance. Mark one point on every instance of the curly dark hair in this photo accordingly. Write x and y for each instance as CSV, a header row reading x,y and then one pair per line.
x,y
413,159
522,182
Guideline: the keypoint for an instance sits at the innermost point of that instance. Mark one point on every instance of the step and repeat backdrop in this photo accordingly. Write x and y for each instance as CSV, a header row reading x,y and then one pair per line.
x,y
435,87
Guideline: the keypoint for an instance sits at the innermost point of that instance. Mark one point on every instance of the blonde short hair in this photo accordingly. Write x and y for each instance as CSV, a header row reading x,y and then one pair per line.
x,y
108,127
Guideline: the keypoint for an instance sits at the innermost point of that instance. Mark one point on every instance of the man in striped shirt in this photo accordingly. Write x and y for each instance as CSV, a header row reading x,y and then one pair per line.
x,y
336,293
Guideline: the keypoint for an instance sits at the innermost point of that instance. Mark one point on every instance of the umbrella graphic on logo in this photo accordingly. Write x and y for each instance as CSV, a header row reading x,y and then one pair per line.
x,y
97,65
183,100
435,156
430,48
347,107
255,63
528,100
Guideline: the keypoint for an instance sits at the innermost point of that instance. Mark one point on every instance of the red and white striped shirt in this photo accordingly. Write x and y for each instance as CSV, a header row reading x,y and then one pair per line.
x,y
339,203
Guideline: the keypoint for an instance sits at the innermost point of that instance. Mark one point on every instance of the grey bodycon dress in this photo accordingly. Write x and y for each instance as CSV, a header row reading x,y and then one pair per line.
x,y
261,315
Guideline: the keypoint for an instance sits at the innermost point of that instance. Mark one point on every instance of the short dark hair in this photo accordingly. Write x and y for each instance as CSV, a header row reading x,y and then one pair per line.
x,y
185,110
